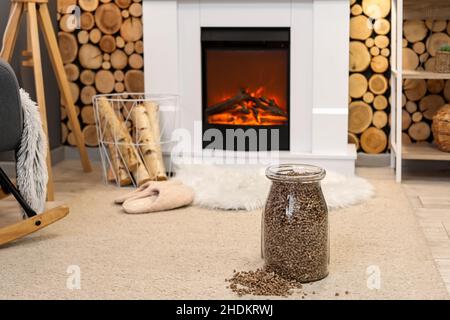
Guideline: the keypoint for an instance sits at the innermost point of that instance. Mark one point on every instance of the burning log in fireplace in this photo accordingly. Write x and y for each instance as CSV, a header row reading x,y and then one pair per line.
x,y
249,108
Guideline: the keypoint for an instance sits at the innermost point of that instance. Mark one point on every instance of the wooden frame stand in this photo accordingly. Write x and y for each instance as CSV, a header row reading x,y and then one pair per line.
x,y
33,8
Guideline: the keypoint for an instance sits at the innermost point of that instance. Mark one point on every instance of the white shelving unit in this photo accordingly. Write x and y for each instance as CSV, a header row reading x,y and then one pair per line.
x,y
410,9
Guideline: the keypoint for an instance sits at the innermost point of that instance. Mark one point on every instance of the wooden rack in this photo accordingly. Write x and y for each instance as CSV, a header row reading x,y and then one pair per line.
x,y
402,10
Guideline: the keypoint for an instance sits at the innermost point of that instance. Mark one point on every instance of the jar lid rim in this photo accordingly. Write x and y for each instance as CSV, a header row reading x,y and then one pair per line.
x,y
297,172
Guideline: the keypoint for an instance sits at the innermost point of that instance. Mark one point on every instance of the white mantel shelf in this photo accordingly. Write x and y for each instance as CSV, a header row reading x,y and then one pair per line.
x,y
319,65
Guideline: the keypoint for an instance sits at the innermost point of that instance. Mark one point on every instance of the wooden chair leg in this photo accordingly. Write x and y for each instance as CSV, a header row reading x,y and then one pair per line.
x,y
58,67
30,225
11,31
39,84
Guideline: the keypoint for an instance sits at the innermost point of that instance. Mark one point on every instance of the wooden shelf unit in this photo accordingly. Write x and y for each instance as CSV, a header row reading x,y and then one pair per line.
x,y
402,10
424,151
415,74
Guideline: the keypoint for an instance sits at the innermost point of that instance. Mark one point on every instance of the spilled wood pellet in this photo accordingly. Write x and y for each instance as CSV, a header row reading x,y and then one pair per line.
x,y
261,283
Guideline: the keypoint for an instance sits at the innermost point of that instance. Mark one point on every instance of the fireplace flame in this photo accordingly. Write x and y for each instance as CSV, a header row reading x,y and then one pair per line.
x,y
248,108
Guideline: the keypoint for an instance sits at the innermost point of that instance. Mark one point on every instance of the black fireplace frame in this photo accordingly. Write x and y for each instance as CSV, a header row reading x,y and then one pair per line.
x,y
246,39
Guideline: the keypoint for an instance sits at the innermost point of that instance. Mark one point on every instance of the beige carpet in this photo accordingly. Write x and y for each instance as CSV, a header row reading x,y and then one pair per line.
x,y
187,253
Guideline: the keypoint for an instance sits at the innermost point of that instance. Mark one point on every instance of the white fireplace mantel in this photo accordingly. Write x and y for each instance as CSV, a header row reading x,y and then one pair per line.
x,y
319,65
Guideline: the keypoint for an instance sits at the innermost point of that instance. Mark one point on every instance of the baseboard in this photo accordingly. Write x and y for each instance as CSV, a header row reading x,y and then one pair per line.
x,y
373,160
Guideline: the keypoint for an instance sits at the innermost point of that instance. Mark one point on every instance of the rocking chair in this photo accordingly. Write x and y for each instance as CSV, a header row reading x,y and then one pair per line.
x,y
11,127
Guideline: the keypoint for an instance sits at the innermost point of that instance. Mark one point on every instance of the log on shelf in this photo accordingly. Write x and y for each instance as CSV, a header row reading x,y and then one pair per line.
x,y
107,43
380,102
370,42
68,47
435,86
368,97
90,56
139,47
87,77
108,18
356,10
419,47
380,119
406,140
119,59
378,84
353,139
415,89
414,30
72,71
360,28
430,104
135,9
87,115
385,52
357,85
359,56
131,29
374,51
104,81
86,94
379,64
129,48
373,140
376,9
123,4
119,87
406,120
136,61
67,23
381,41
417,116
436,25
410,59
88,5
90,135
411,107
87,21
95,35
447,90
419,131
382,26
359,117
83,37
134,81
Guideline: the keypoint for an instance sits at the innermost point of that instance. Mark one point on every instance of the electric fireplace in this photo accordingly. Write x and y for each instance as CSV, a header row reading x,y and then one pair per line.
x,y
245,88
274,69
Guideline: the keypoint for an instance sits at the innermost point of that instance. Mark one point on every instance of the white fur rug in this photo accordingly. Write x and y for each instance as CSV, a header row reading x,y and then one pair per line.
x,y
242,187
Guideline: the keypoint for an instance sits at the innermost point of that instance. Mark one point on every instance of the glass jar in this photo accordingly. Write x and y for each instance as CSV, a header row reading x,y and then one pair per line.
x,y
295,237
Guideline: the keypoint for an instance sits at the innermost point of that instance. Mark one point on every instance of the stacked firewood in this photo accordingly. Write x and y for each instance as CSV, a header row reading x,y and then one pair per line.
x,y
102,52
369,73
422,98
132,137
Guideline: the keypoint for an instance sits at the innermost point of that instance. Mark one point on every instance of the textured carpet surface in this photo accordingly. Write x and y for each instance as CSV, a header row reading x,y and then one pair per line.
x,y
188,253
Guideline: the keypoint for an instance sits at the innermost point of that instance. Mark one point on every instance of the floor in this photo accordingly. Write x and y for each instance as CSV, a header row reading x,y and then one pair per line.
x,y
430,198
428,192
188,253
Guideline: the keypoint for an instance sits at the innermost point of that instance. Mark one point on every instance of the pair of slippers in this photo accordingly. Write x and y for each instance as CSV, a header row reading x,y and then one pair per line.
x,y
154,196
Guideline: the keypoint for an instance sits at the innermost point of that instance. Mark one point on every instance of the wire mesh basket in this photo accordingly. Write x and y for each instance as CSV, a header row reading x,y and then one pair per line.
x,y
135,136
